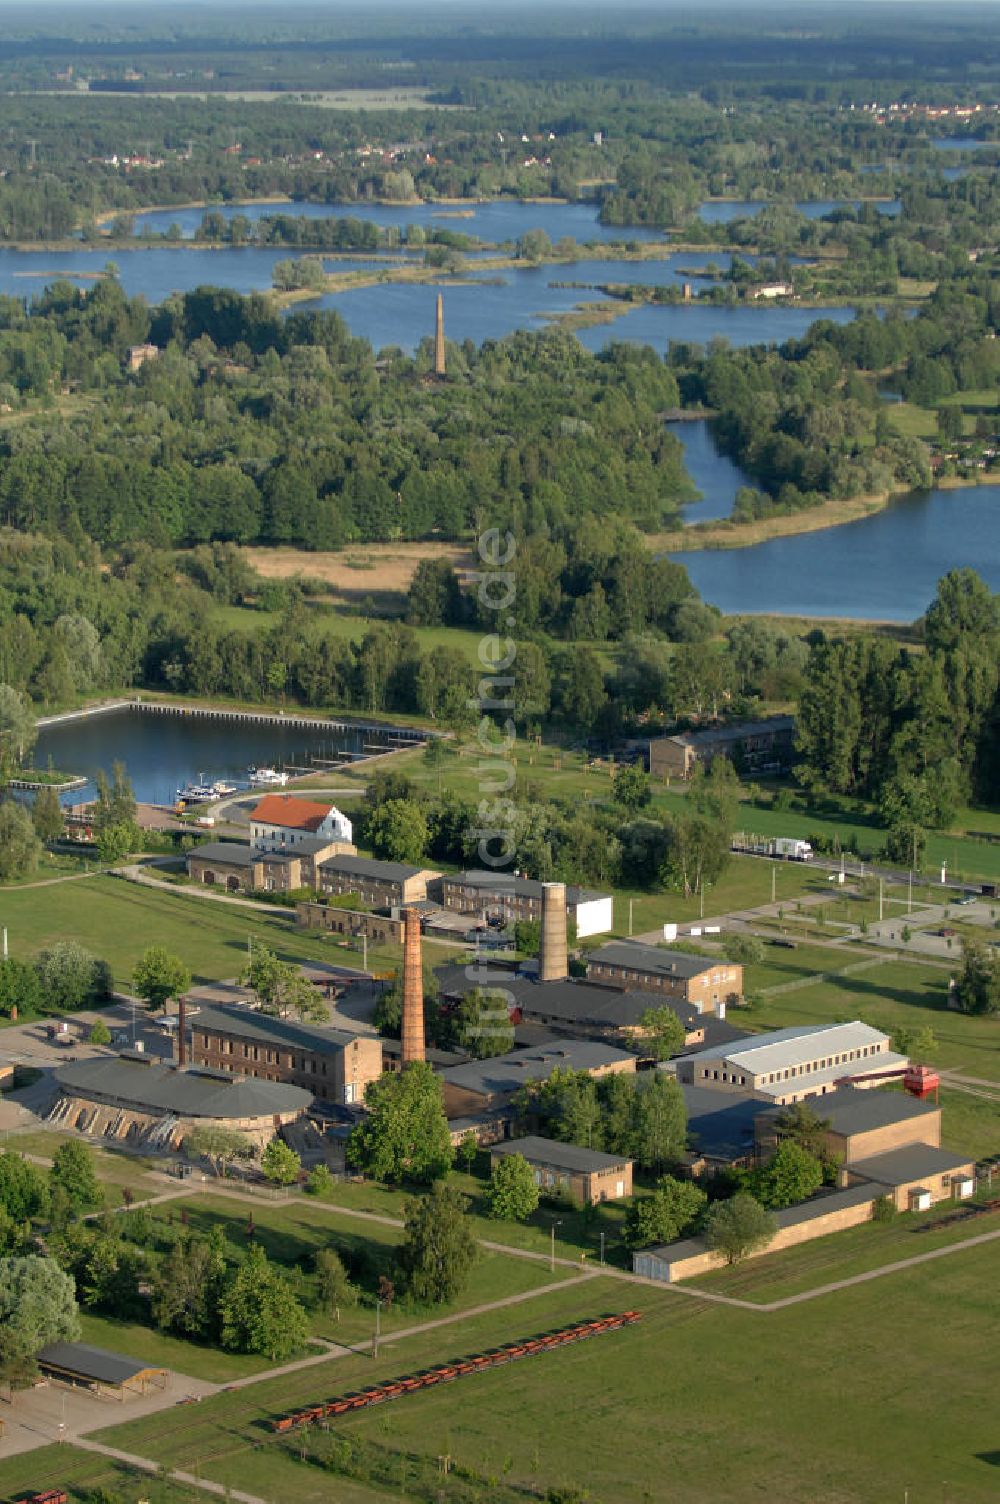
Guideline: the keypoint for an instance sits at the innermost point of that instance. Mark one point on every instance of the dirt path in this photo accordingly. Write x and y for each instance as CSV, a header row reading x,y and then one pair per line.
x,y
145,1465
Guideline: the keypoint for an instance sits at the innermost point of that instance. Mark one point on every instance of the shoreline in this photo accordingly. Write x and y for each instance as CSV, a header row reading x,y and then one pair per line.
x,y
718,536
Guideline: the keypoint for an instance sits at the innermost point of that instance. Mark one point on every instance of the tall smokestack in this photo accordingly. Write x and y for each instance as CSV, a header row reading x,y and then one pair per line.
x,y
553,961
181,1032
439,338
413,989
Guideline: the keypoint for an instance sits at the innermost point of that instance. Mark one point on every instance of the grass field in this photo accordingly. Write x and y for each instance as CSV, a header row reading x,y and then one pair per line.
x,y
826,1401
118,920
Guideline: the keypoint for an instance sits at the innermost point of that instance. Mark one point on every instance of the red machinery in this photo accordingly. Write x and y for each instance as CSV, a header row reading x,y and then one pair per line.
x,y
921,1080
393,1388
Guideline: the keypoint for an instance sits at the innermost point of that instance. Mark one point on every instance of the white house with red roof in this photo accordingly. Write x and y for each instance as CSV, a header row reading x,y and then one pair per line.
x,y
282,822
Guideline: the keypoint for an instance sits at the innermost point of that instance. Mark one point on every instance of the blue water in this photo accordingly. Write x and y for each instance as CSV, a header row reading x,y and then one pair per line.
x,y
715,475
163,753
959,143
497,220
155,273
883,568
691,324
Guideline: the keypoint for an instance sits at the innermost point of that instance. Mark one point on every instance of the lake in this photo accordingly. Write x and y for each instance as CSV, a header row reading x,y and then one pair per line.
x,y
496,220
164,752
724,211
883,568
715,475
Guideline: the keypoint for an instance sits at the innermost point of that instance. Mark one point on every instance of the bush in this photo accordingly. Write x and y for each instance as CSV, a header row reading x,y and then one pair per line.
x,y
884,1209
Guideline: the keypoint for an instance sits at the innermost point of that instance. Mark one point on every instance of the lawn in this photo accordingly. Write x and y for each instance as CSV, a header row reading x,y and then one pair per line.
x,y
115,1169
118,920
291,1233
80,1472
827,1401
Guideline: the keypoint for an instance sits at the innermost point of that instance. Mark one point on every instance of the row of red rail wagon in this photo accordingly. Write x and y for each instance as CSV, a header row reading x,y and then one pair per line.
x,y
394,1389
50,1496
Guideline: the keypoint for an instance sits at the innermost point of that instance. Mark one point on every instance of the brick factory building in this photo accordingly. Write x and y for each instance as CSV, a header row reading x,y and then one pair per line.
x,y
332,1064
707,983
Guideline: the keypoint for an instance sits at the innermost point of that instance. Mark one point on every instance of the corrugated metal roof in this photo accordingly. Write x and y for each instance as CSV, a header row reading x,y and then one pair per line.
x,y
781,1048
94,1363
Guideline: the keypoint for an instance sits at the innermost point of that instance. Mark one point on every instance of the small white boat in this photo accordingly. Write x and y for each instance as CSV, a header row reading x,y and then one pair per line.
x,y
223,790
267,778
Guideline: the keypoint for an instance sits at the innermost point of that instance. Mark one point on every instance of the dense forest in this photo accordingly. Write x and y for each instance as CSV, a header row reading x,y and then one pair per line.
x,y
254,427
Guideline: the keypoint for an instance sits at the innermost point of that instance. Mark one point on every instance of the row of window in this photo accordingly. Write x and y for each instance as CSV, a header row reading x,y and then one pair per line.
x,y
826,1064
262,1052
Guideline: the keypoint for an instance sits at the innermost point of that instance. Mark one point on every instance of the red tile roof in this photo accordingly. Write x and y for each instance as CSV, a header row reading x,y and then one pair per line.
x,y
290,813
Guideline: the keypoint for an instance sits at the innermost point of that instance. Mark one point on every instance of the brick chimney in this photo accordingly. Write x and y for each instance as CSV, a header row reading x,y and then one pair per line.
x,y
413,989
553,962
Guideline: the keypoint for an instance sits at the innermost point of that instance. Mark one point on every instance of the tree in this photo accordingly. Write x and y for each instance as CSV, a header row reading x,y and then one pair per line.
x,y
319,1181
73,1172
481,1026
661,1122
397,831
281,988
793,1175
188,1287
99,1034
631,788
160,976
468,1148
260,1313
47,815
512,1194
739,1227
24,1190
801,1124
333,1288
977,987
20,848
17,730
439,1247
744,950
20,989
220,1146
280,1164
37,1306
71,978
920,1043
662,1034
669,1213
116,842
405,1133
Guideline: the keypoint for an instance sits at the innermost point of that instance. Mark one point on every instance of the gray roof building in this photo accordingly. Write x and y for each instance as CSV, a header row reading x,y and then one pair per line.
x,y
504,1074
654,959
233,853
570,1157
517,887
365,866
912,1162
140,1082
849,1111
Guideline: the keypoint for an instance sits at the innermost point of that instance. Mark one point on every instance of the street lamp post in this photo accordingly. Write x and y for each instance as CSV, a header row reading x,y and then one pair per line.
x,y
552,1244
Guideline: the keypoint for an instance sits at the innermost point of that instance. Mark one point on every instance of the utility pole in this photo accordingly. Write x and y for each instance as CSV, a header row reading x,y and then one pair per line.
x,y
602,1248
552,1243
5,942
378,1326
774,881
880,900
629,917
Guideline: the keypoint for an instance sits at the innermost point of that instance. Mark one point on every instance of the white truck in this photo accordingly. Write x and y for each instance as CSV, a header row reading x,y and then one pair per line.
x,y
787,848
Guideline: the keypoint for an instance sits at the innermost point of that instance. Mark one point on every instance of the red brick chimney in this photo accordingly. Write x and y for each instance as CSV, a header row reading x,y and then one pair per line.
x,y
413,989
